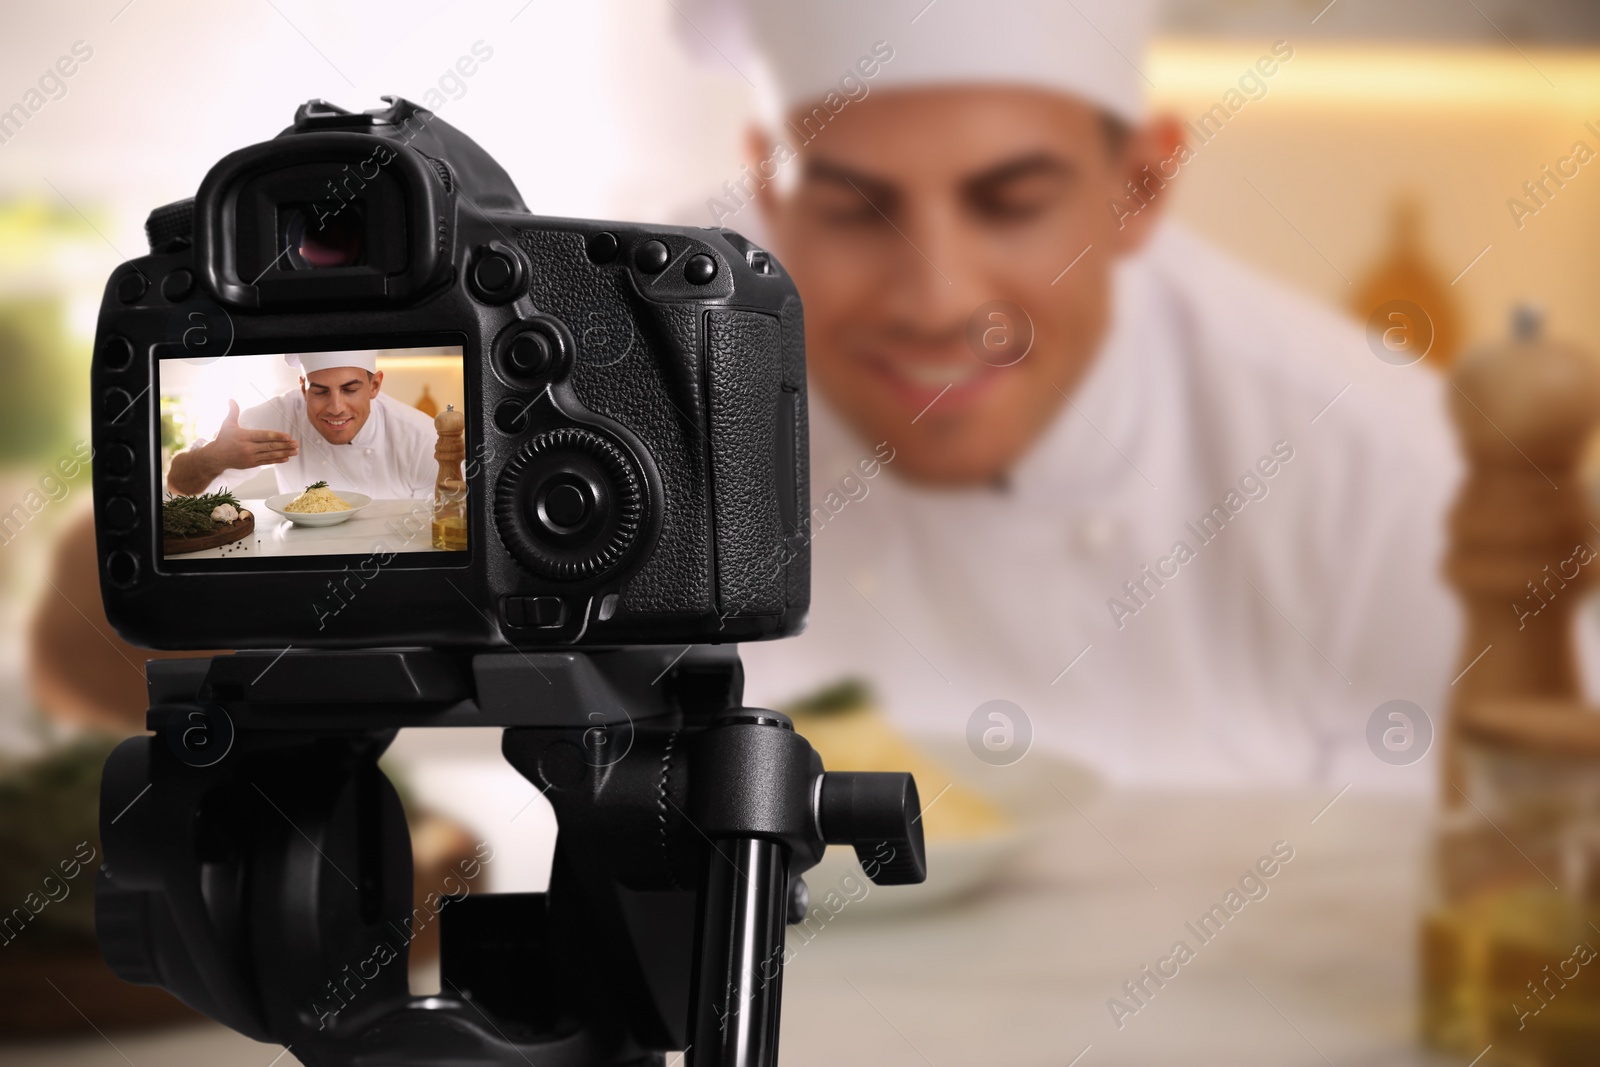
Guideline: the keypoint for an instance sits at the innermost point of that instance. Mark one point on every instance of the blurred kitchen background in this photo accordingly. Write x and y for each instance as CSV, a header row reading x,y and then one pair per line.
x,y
1381,161
596,111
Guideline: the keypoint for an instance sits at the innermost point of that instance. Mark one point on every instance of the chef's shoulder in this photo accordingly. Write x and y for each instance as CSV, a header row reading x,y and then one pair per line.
x,y
411,427
1268,353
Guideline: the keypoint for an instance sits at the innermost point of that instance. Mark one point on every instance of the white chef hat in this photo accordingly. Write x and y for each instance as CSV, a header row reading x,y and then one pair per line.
x,y
1089,49
309,362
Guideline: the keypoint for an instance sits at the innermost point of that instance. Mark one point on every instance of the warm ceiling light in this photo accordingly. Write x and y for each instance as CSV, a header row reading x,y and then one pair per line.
x,y
1184,71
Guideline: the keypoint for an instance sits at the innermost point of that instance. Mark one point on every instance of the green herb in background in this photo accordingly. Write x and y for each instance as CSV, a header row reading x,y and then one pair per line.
x,y
48,807
44,363
189,516
847,694
177,429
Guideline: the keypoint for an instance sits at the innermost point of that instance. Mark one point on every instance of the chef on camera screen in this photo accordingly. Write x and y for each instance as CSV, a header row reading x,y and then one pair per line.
x,y
335,424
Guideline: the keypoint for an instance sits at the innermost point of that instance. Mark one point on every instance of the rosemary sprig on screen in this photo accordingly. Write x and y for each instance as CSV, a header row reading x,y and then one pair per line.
x,y
316,485
187,516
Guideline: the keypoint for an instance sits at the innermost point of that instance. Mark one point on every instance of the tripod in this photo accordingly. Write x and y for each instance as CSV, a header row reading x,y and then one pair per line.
x,y
258,863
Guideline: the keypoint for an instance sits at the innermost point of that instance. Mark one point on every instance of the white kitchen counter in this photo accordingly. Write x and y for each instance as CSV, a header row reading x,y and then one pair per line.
x,y
396,525
1321,971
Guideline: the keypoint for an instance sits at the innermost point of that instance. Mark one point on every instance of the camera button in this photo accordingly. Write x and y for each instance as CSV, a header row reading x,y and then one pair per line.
x,y
603,247
511,415
700,269
652,257
566,505
117,403
131,286
492,273
120,460
122,568
116,353
496,273
177,285
546,611
121,514
531,353
535,610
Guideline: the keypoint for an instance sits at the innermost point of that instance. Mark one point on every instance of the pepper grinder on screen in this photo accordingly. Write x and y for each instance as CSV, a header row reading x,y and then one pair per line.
x,y
1510,941
450,489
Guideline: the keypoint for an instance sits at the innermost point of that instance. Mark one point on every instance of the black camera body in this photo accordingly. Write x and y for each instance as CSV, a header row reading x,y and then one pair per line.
x,y
635,402
631,476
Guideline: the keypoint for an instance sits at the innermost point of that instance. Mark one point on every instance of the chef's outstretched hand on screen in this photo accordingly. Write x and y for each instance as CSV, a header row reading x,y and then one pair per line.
x,y
234,448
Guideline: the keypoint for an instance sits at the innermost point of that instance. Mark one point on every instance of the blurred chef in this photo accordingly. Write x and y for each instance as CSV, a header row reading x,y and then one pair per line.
x,y
337,427
1066,454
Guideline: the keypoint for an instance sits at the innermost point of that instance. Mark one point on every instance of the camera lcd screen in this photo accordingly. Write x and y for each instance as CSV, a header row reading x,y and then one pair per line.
x,y
307,454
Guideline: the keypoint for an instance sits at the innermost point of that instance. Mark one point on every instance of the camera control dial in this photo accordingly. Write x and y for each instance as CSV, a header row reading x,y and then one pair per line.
x,y
570,504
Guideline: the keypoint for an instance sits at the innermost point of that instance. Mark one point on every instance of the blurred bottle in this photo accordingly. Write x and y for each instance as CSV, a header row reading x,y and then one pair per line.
x,y
1405,292
1509,945
426,403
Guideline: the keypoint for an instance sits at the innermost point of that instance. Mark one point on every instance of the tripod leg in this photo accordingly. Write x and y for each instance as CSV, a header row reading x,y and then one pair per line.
x,y
759,795
741,955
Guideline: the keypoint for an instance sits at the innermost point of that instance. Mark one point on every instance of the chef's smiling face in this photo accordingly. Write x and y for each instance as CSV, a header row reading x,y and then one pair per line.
x,y
913,209
339,399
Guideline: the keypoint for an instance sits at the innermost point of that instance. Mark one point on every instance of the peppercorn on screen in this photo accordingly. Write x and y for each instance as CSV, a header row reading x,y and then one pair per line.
x,y
351,452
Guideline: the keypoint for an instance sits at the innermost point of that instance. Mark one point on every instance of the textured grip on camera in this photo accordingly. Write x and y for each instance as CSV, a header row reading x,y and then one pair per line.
x,y
745,373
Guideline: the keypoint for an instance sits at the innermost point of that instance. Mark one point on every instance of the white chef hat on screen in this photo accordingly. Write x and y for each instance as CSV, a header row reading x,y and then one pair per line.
x,y
800,49
309,362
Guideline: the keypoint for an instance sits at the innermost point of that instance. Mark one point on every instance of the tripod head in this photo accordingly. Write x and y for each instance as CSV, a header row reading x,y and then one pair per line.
x,y
259,868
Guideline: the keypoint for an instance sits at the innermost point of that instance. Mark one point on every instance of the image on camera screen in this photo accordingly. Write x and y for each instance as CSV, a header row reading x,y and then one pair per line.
x,y
350,452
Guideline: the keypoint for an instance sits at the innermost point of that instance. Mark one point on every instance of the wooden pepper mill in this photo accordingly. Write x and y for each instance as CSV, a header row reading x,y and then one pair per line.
x,y
450,488
1523,550
1516,852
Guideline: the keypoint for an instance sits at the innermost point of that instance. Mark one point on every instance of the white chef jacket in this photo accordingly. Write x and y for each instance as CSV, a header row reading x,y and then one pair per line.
x,y
1257,660
390,458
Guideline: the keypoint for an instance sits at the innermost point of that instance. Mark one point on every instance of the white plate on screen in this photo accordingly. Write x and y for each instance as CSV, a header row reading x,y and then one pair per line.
x,y
357,501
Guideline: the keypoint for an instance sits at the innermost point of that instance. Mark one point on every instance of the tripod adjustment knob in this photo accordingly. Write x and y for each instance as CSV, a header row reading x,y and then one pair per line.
x,y
879,815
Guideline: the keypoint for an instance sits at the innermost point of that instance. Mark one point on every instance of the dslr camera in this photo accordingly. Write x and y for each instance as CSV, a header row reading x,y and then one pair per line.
x,y
635,466
624,473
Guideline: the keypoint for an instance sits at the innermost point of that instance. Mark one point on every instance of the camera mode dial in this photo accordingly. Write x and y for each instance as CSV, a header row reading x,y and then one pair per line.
x,y
570,504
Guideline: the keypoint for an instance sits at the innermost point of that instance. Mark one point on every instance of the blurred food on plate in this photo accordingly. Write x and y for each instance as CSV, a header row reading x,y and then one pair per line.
x,y
851,734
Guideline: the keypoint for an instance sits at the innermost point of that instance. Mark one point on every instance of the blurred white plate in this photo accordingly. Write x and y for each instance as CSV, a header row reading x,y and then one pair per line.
x,y
357,501
1026,791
